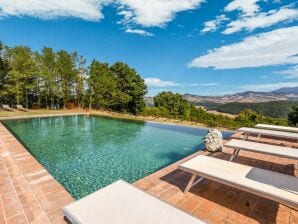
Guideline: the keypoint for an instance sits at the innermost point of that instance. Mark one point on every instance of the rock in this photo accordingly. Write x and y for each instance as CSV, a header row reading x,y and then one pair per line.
x,y
213,141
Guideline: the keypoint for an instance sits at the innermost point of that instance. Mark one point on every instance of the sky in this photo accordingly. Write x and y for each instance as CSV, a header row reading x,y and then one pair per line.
x,y
204,47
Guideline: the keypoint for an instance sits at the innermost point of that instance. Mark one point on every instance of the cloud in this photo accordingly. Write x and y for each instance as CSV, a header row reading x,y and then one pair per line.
x,y
261,20
247,7
213,25
150,13
49,9
276,47
292,72
139,32
268,86
146,13
156,82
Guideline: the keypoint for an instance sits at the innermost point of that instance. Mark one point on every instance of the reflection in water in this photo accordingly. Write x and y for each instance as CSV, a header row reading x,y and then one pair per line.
x,y
85,153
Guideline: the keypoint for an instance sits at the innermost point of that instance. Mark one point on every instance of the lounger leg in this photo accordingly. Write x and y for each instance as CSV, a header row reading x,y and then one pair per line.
x,y
192,182
189,185
235,154
246,135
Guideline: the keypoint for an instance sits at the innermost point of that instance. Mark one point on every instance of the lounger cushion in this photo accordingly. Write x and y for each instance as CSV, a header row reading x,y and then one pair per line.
x,y
275,186
269,132
122,203
277,127
263,148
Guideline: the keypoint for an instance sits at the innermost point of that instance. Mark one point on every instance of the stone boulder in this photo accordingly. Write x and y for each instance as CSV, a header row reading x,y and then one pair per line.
x,y
213,141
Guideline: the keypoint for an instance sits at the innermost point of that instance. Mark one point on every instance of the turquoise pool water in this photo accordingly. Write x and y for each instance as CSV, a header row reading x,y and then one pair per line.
x,y
85,153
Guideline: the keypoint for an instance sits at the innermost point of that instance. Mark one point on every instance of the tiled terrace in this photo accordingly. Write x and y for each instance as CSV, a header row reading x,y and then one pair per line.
x,y
29,194
217,203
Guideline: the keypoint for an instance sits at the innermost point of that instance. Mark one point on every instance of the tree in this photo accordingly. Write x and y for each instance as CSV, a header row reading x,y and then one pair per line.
x,y
66,71
293,116
21,80
103,88
132,88
4,68
174,103
80,81
49,73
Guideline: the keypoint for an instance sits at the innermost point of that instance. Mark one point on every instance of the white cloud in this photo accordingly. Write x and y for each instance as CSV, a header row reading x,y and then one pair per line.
x,y
156,82
247,7
268,86
291,72
213,25
261,20
49,9
147,13
276,47
153,12
139,32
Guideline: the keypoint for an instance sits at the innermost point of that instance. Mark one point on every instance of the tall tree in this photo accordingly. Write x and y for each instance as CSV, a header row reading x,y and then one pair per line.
x,y
22,69
50,76
66,72
131,86
103,86
4,68
81,81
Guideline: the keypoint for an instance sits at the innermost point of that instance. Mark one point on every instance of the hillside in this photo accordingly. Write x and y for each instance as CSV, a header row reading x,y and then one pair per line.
x,y
277,103
277,109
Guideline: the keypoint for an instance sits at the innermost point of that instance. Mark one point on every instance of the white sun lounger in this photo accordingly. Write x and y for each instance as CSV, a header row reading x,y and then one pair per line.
x,y
274,150
20,107
264,183
7,107
277,128
264,132
122,203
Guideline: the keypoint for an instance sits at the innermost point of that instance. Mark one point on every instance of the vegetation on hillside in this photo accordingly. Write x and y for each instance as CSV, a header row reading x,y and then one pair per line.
x,y
277,109
170,105
50,79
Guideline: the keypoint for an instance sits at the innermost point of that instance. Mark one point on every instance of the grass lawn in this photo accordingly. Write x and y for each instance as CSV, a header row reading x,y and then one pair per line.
x,y
4,113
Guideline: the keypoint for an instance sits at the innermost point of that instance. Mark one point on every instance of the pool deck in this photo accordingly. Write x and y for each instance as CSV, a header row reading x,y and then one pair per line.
x,y
29,194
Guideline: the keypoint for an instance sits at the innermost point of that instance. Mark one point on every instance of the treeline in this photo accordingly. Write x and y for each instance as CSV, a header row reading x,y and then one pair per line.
x,y
277,109
170,105
55,79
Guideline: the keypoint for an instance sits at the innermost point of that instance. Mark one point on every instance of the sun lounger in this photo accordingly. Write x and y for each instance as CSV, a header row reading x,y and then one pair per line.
x,y
274,150
263,132
7,107
20,107
123,203
264,183
277,128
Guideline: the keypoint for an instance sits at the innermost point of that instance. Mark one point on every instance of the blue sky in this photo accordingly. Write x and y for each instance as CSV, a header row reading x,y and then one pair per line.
x,y
202,47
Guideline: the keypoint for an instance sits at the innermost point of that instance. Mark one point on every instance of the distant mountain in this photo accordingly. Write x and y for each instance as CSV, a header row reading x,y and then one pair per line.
x,y
286,90
242,97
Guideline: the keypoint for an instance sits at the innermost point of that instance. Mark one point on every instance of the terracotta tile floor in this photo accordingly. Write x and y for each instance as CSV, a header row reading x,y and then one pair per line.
x,y
217,203
29,194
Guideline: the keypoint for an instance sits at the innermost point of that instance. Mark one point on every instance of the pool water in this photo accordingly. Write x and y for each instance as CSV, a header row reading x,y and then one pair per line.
x,y
86,153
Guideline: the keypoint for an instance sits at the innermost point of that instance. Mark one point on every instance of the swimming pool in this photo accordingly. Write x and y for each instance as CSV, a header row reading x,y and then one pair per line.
x,y
86,153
